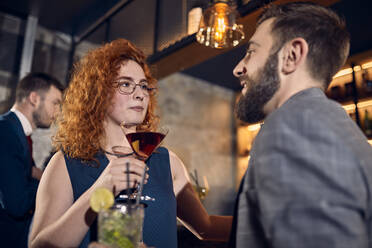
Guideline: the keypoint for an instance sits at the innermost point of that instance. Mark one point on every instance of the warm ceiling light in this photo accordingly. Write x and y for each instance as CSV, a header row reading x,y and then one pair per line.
x,y
361,104
348,71
218,28
367,65
349,107
254,127
343,72
364,104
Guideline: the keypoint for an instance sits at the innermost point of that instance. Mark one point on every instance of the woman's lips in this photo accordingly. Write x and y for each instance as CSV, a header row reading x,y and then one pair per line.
x,y
137,109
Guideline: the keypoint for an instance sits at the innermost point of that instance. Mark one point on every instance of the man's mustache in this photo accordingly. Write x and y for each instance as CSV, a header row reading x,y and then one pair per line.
x,y
246,79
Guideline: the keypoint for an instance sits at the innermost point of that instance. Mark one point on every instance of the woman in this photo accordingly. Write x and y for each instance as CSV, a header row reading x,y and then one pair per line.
x,y
112,85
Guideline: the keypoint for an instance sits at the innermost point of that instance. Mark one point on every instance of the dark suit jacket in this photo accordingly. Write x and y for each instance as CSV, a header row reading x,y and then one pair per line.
x,y
17,187
309,179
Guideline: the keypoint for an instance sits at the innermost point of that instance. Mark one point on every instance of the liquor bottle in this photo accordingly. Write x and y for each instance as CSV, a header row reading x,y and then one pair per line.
x,y
367,82
367,124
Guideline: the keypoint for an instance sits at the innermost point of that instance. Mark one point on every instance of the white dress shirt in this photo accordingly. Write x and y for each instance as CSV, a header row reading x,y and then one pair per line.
x,y
26,125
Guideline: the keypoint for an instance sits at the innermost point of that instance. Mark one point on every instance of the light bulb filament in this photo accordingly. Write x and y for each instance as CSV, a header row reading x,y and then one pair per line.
x,y
220,28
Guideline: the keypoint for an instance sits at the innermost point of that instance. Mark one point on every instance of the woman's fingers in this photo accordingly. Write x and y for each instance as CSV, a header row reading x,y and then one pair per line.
x,y
97,245
134,166
132,169
121,173
115,175
131,160
132,178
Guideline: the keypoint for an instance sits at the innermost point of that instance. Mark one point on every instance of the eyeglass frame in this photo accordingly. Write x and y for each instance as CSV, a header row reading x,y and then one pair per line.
x,y
148,91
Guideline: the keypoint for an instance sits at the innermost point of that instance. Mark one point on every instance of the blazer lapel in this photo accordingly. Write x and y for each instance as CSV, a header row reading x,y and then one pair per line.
x,y
18,129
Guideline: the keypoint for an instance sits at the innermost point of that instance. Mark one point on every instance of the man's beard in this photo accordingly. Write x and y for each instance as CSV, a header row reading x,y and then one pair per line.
x,y
38,117
260,90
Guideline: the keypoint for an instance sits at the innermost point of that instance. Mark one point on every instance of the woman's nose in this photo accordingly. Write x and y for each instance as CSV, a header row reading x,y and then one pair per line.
x,y
138,93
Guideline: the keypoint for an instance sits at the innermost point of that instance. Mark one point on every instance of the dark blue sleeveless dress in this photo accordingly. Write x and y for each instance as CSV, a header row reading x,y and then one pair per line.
x,y
160,224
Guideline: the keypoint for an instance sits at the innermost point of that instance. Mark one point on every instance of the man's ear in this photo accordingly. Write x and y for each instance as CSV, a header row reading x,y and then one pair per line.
x,y
34,98
294,55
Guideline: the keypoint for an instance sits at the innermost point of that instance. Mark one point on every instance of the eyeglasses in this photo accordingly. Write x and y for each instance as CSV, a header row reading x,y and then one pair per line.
x,y
127,88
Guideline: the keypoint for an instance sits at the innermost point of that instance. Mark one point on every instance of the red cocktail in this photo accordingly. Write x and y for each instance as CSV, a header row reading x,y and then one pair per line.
x,y
144,143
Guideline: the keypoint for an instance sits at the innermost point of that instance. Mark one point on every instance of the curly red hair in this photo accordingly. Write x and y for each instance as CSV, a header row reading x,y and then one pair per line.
x,y
80,131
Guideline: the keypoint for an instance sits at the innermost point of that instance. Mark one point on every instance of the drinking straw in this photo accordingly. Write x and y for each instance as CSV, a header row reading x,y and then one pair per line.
x,y
128,190
196,178
139,194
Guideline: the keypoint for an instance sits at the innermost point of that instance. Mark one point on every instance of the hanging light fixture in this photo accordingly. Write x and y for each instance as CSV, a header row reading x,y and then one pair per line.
x,y
218,28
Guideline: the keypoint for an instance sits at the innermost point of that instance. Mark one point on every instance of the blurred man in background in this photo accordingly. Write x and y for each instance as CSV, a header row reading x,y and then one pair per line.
x,y
38,98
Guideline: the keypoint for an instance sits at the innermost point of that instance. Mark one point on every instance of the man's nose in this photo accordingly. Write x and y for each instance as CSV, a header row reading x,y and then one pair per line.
x,y
239,70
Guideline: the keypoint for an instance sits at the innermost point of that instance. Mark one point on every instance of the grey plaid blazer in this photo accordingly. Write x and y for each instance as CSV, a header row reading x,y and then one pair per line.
x,y
309,180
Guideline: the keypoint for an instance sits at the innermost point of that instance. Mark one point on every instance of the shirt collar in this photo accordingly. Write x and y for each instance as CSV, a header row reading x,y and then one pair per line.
x,y
26,125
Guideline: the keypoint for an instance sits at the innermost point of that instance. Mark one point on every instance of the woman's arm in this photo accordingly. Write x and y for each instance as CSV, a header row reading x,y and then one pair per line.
x,y
55,221
60,222
190,210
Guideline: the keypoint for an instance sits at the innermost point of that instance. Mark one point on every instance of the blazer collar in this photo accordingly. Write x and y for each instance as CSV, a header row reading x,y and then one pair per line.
x,y
17,127
26,125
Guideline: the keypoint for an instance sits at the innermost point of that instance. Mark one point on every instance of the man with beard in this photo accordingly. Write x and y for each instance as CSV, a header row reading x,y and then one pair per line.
x,y
38,98
308,183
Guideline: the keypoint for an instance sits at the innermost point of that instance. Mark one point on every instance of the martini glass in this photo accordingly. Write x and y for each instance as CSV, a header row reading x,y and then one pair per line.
x,y
143,144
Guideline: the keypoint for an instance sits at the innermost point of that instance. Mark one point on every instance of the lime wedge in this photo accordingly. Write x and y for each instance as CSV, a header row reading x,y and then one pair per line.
x,y
124,242
101,199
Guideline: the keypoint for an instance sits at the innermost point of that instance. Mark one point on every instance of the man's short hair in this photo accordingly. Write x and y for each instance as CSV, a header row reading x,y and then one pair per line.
x,y
36,81
324,31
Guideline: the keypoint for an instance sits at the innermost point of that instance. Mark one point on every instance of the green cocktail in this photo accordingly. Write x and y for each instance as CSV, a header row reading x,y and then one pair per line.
x,y
121,226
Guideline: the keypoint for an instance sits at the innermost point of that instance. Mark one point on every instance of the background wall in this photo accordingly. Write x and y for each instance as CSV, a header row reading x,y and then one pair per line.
x,y
11,41
200,119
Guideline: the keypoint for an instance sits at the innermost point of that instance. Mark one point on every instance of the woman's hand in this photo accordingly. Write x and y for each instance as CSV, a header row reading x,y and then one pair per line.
x,y
115,176
100,245
97,245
